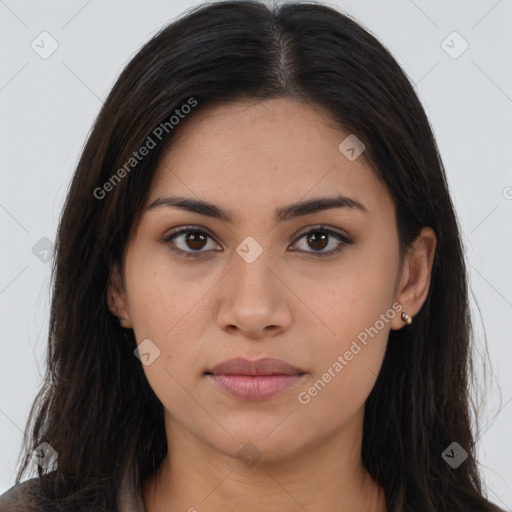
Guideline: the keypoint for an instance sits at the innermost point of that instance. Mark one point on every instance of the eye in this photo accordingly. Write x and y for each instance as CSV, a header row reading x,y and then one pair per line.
x,y
320,237
193,240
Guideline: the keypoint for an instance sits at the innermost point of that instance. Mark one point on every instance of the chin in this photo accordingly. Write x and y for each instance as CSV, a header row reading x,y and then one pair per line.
x,y
251,446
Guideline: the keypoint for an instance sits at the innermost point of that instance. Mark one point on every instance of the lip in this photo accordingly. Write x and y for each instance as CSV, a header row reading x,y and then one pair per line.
x,y
264,366
254,380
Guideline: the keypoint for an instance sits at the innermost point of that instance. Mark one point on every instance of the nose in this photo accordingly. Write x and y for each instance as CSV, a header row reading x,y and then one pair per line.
x,y
255,301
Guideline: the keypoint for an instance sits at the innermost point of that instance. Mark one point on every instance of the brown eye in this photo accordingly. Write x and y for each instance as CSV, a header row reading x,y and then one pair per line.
x,y
195,241
318,240
321,237
188,242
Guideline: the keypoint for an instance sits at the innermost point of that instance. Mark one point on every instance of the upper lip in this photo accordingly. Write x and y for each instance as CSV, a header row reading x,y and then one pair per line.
x,y
264,366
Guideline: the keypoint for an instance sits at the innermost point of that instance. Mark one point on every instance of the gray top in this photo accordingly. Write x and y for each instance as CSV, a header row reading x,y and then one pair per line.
x,y
128,499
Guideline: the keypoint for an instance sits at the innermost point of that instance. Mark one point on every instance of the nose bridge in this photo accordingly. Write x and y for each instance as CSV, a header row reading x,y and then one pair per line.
x,y
252,298
252,272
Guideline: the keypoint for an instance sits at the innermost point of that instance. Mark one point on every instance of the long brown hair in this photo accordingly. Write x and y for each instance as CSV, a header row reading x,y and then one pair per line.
x,y
96,408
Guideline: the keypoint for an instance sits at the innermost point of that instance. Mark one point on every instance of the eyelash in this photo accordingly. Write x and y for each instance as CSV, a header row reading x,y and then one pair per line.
x,y
195,254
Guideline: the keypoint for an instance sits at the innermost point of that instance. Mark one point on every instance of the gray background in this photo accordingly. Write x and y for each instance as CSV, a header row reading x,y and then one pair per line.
x,y
49,104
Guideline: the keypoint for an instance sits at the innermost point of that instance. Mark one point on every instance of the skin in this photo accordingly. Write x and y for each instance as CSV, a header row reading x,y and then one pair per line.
x,y
251,158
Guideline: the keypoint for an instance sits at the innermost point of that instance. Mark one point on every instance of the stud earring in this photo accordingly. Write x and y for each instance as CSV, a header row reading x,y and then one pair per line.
x,y
406,318
120,320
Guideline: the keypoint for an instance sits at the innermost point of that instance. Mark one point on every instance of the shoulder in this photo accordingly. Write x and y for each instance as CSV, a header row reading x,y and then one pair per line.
x,y
22,497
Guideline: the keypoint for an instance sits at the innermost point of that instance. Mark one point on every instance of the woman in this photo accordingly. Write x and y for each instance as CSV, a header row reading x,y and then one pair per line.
x,y
260,297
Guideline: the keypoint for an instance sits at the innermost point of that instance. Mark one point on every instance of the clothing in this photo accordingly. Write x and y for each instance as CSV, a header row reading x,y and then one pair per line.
x,y
10,500
128,500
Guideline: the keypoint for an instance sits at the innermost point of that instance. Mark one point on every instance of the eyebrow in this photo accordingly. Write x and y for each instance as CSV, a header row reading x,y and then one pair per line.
x,y
285,213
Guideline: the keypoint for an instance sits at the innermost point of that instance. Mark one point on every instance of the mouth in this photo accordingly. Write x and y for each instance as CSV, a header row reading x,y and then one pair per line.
x,y
254,380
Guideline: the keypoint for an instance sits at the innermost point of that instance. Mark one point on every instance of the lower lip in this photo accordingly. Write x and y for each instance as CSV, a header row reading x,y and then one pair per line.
x,y
257,387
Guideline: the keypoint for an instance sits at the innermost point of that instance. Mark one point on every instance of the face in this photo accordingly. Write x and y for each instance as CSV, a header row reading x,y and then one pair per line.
x,y
316,288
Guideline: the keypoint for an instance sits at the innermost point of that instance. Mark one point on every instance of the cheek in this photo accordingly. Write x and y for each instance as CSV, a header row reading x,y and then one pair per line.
x,y
345,373
164,306
355,308
162,294
348,297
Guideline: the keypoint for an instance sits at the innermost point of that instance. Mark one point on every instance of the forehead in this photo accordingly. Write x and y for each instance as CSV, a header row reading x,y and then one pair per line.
x,y
258,154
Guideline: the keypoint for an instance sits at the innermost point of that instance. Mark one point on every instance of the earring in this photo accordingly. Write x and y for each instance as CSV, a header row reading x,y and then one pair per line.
x,y
406,318
120,320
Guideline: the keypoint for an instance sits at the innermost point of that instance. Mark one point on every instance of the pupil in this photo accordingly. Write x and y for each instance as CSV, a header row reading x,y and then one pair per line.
x,y
313,239
195,238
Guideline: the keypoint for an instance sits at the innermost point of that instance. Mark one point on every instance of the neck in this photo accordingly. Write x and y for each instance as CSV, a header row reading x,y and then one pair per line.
x,y
195,476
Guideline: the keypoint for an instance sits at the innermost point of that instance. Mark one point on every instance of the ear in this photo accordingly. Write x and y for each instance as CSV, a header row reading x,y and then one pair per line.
x,y
415,277
116,298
